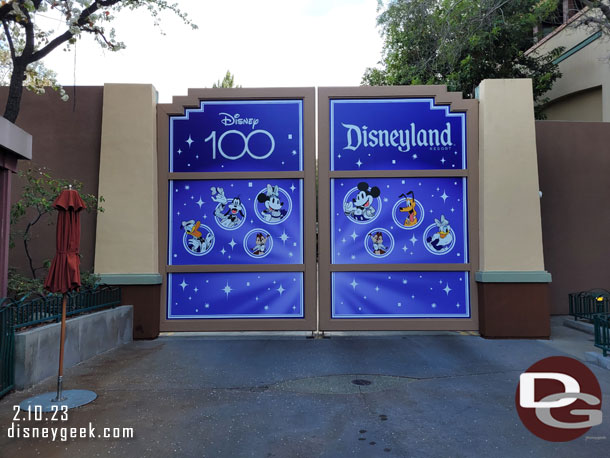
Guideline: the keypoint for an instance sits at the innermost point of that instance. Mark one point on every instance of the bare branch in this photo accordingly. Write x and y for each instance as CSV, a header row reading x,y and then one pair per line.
x,y
9,38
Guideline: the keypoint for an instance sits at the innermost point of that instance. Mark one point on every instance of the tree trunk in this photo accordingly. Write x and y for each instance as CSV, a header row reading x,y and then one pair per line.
x,y
15,92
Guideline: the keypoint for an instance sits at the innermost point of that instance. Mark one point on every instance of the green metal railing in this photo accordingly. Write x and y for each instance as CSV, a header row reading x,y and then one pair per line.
x,y
7,346
602,331
586,304
36,309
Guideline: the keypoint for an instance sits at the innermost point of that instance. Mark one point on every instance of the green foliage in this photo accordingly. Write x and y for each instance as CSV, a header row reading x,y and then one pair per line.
x,y
20,285
461,42
39,192
227,82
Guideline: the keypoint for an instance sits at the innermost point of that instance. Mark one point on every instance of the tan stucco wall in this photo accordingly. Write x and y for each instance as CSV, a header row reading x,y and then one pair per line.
x,y
127,232
582,106
587,68
510,233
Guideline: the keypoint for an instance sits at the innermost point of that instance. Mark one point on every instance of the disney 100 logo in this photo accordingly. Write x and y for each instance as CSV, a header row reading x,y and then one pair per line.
x,y
233,120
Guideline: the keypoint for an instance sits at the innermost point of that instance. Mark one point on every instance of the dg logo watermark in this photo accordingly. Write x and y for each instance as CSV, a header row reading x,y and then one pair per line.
x,y
559,399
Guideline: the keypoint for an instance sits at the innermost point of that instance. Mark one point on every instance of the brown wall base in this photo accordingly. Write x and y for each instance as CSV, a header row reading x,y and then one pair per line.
x,y
145,300
517,310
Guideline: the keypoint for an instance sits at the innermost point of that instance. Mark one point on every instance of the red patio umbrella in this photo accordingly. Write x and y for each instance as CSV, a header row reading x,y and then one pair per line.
x,y
63,277
64,273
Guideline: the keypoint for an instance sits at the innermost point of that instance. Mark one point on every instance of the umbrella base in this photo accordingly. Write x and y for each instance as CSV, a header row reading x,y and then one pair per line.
x,y
70,398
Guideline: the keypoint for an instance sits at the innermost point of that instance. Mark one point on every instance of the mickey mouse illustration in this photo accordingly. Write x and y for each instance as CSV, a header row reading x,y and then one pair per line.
x,y
230,213
378,246
273,211
410,209
360,208
197,243
261,243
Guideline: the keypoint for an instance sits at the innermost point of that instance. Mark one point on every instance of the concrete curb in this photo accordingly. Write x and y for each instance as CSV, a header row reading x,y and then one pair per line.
x,y
580,326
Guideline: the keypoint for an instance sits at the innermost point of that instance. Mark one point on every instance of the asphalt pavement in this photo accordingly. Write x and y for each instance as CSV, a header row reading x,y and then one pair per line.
x,y
382,395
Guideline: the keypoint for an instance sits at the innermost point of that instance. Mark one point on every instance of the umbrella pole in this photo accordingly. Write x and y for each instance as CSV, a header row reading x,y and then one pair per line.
x,y
62,337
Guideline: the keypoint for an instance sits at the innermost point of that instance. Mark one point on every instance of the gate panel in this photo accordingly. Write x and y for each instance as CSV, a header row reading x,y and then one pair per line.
x,y
237,212
398,166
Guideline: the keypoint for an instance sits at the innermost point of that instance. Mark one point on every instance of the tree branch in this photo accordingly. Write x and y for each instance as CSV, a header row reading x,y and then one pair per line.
x,y
67,35
9,39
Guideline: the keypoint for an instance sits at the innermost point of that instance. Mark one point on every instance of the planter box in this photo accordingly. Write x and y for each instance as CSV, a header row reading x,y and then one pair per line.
x,y
37,350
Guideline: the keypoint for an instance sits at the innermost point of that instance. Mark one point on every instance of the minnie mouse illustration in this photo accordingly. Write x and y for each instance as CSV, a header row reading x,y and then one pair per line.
x,y
273,211
360,208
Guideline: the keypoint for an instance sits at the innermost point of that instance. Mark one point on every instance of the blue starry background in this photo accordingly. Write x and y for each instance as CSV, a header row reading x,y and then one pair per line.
x,y
283,119
391,114
235,295
191,200
400,295
438,196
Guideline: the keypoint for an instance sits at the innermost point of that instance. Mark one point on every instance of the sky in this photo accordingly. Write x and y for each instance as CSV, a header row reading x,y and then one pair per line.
x,y
266,43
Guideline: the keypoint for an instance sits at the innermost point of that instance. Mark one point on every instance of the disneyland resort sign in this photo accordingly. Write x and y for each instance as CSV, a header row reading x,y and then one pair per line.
x,y
401,139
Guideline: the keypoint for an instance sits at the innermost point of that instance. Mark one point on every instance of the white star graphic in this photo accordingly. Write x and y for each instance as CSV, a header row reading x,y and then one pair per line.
x,y
196,289
280,290
227,289
443,160
190,141
404,248
359,163
413,239
354,235
444,196
200,202
452,210
457,305
354,284
447,289
232,244
377,288
414,156
223,251
284,237
179,151
434,305
184,284
292,187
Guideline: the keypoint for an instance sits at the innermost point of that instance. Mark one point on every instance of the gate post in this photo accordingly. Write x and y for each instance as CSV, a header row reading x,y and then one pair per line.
x,y
512,283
